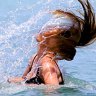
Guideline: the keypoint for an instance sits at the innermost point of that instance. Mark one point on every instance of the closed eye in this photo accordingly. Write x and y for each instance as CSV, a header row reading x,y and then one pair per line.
x,y
66,34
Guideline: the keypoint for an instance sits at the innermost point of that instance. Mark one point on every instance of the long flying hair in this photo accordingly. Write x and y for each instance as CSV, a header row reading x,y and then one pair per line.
x,y
88,33
85,32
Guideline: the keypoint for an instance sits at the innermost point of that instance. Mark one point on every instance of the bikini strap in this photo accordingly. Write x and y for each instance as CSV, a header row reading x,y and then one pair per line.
x,y
33,58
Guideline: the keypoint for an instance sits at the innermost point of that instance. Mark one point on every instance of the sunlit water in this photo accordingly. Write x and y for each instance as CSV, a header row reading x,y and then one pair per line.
x,y
20,21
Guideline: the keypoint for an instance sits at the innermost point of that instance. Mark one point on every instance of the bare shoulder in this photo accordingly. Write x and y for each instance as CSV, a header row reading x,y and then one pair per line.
x,y
47,61
49,71
48,65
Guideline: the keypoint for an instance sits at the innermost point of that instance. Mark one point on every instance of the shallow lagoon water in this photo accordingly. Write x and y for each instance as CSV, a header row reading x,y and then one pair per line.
x,y
20,21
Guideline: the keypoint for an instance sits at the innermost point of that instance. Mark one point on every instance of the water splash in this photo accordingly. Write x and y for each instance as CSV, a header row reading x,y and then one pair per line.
x,y
17,34
18,28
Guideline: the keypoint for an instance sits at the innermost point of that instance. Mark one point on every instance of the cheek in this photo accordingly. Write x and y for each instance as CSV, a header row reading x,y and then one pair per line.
x,y
52,42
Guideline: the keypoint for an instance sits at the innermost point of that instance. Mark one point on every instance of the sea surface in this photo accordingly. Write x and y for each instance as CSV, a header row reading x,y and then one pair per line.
x,y
20,21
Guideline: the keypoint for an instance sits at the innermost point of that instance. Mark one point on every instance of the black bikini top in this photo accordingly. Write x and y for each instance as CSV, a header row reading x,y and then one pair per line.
x,y
35,80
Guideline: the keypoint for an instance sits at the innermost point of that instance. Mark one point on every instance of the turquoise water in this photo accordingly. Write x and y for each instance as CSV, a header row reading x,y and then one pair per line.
x,y
20,21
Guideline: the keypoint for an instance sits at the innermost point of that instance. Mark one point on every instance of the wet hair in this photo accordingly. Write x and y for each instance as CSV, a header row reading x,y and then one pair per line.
x,y
82,31
86,25
88,33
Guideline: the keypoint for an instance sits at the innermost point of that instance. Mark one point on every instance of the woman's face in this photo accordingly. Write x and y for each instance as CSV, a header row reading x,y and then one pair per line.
x,y
61,42
61,38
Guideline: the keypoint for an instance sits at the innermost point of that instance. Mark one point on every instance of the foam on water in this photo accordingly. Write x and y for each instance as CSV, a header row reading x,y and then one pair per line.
x,y
72,85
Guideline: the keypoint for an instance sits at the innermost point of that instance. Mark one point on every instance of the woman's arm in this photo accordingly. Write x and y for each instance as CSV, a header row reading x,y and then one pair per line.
x,y
26,73
28,69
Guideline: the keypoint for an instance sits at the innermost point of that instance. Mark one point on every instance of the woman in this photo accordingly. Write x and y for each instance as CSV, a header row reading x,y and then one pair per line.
x,y
57,40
